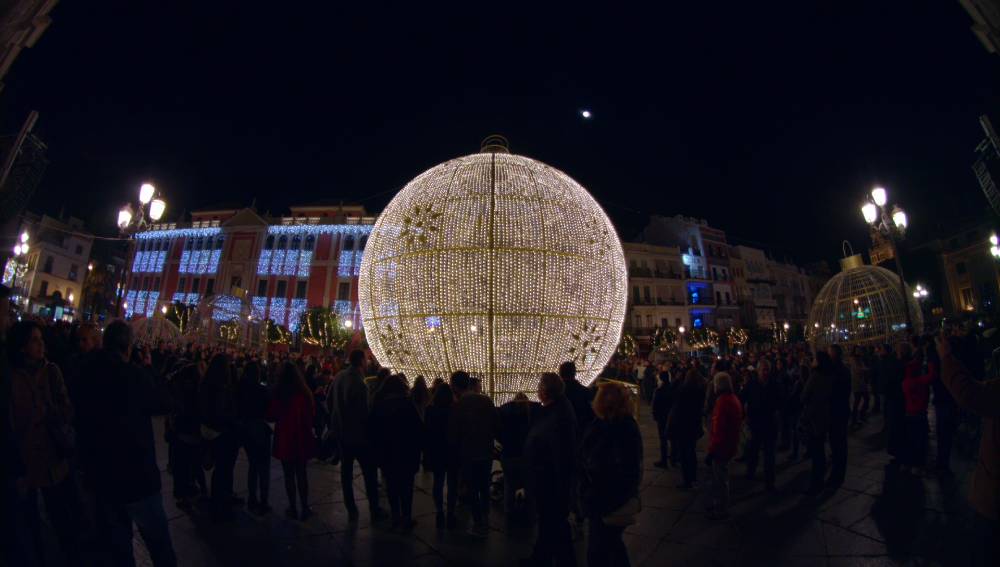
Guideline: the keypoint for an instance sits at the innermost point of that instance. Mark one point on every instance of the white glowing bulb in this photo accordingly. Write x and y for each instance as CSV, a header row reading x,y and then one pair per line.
x,y
24,237
870,212
348,324
156,208
17,249
163,309
24,248
124,216
146,193
585,114
681,329
899,218
993,239
473,329
880,196
70,298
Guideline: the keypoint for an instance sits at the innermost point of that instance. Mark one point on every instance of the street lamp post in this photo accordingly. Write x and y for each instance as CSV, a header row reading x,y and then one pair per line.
x,y
130,221
892,225
21,264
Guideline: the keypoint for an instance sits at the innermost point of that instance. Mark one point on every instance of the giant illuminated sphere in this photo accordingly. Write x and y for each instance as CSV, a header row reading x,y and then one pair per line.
x,y
496,264
861,305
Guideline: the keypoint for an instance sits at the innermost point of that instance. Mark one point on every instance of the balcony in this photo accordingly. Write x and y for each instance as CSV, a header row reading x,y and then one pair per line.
x,y
696,274
640,272
701,301
670,301
666,275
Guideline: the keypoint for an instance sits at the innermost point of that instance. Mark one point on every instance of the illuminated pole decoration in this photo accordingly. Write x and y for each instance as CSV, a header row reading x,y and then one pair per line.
x,y
496,264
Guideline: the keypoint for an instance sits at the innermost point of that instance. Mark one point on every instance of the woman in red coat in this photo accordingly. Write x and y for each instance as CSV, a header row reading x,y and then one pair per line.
x,y
724,441
918,375
293,412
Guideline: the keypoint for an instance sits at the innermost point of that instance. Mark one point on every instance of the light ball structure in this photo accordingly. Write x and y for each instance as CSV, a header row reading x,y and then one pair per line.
x,y
861,305
495,264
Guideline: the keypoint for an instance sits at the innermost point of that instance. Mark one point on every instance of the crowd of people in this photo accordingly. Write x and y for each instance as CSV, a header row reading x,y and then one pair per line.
x,y
79,406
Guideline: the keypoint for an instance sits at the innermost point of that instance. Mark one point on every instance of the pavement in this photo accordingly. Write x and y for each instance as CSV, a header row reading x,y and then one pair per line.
x,y
877,518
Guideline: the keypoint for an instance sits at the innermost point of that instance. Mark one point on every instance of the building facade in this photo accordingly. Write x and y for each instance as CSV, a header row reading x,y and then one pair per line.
x,y
281,265
970,271
756,283
657,289
708,280
56,266
791,293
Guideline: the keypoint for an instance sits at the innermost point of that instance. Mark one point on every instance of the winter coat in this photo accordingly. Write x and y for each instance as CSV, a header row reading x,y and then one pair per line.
x,y
436,448
294,438
515,423
396,433
581,398
890,372
916,387
816,394
982,398
117,450
612,465
840,396
684,423
474,425
550,452
763,403
663,398
39,395
727,417
347,406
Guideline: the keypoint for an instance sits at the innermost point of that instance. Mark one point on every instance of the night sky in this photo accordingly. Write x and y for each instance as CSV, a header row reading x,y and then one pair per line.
x,y
769,121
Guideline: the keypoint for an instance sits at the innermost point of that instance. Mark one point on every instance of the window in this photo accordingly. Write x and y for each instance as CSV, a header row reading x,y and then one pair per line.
x,y
649,321
180,285
344,291
262,288
296,242
218,242
677,322
959,268
645,294
636,298
282,242
236,281
663,322
48,264
210,288
728,300
638,321
195,285
43,290
363,243
269,243
349,242
73,268
79,250
715,273
145,284
718,298
310,242
300,290
282,289
156,284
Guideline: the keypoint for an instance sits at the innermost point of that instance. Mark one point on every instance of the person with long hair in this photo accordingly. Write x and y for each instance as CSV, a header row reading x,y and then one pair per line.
x,y
41,414
292,409
440,459
396,431
252,404
612,470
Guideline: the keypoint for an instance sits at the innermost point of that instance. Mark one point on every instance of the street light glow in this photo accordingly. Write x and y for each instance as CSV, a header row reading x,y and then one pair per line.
x,y
879,196
993,239
124,217
24,237
156,208
870,211
585,114
681,329
899,218
17,249
146,193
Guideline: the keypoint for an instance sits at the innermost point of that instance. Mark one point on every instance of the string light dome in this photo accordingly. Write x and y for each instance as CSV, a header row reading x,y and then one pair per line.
x,y
496,264
861,305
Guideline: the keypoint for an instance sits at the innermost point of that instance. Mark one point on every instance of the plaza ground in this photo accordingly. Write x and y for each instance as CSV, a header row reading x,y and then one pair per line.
x,y
876,518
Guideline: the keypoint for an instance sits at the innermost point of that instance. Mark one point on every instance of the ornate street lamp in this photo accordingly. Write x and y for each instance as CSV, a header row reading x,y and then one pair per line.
x,y
892,225
132,219
995,246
